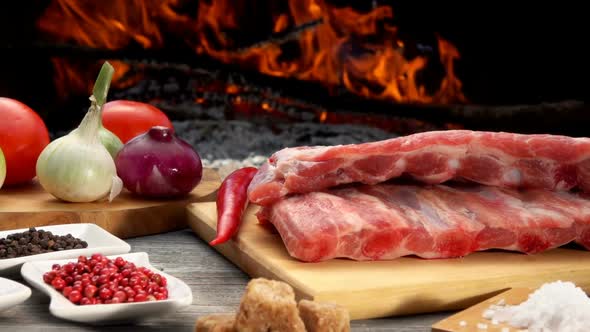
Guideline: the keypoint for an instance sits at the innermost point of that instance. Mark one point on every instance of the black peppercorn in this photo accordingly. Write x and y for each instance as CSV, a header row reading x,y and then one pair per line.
x,y
33,242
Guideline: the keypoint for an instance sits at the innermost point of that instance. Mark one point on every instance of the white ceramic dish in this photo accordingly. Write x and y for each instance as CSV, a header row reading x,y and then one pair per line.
x,y
179,296
98,239
12,293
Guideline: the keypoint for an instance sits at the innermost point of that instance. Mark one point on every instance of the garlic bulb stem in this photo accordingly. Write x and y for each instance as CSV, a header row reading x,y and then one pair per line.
x,y
97,100
88,128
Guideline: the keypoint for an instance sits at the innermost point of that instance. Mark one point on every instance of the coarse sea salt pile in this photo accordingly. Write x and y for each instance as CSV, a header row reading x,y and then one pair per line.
x,y
554,307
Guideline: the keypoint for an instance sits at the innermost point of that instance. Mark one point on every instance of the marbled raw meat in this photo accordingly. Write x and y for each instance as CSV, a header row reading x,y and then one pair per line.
x,y
386,221
505,160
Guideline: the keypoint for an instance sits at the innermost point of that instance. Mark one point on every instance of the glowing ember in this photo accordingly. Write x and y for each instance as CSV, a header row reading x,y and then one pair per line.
x,y
232,89
266,106
360,50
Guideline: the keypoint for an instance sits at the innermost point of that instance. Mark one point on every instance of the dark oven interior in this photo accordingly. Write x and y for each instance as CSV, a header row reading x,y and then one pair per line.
x,y
245,78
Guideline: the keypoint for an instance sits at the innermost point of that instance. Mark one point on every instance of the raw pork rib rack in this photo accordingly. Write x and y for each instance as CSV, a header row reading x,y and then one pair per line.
x,y
495,159
386,221
470,191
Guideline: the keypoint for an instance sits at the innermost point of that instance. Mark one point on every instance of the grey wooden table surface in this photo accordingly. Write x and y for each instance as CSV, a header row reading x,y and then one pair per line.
x,y
216,283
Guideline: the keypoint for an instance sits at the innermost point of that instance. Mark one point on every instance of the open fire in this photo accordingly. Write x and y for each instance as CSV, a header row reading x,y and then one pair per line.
x,y
358,48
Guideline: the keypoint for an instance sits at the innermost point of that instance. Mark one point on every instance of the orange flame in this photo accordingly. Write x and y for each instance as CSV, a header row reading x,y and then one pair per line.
x,y
336,52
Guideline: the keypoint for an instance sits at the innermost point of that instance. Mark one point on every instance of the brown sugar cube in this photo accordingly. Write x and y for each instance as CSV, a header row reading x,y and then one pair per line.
x,y
216,323
324,317
268,306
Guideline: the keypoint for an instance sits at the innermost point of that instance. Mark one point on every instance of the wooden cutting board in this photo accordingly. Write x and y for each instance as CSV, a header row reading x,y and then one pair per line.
x,y
390,288
126,216
469,319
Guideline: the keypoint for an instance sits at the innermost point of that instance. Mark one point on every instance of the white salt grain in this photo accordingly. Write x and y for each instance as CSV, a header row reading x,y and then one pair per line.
x,y
488,314
462,323
554,307
482,326
505,329
495,322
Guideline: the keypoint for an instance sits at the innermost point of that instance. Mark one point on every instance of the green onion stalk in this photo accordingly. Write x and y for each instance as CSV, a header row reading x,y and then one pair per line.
x,y
101,89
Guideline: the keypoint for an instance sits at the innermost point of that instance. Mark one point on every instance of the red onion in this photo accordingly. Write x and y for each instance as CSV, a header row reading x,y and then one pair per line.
x,y
159,164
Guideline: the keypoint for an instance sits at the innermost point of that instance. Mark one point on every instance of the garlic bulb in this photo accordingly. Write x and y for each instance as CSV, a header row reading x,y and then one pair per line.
x,y
77,167
2,168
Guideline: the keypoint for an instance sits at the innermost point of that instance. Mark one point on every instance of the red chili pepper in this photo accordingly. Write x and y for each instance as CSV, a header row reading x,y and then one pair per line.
x,y
232,200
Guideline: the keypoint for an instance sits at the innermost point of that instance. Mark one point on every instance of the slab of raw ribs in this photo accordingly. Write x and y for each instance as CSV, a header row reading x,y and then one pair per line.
x,y
438,194
495,159
387,221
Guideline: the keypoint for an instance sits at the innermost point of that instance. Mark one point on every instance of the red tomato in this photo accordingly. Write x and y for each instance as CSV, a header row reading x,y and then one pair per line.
x,y
127,119
23,135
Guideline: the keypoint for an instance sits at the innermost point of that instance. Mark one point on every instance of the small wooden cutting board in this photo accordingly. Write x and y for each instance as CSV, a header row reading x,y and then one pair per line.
x,y
405,285
468,319
126,216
